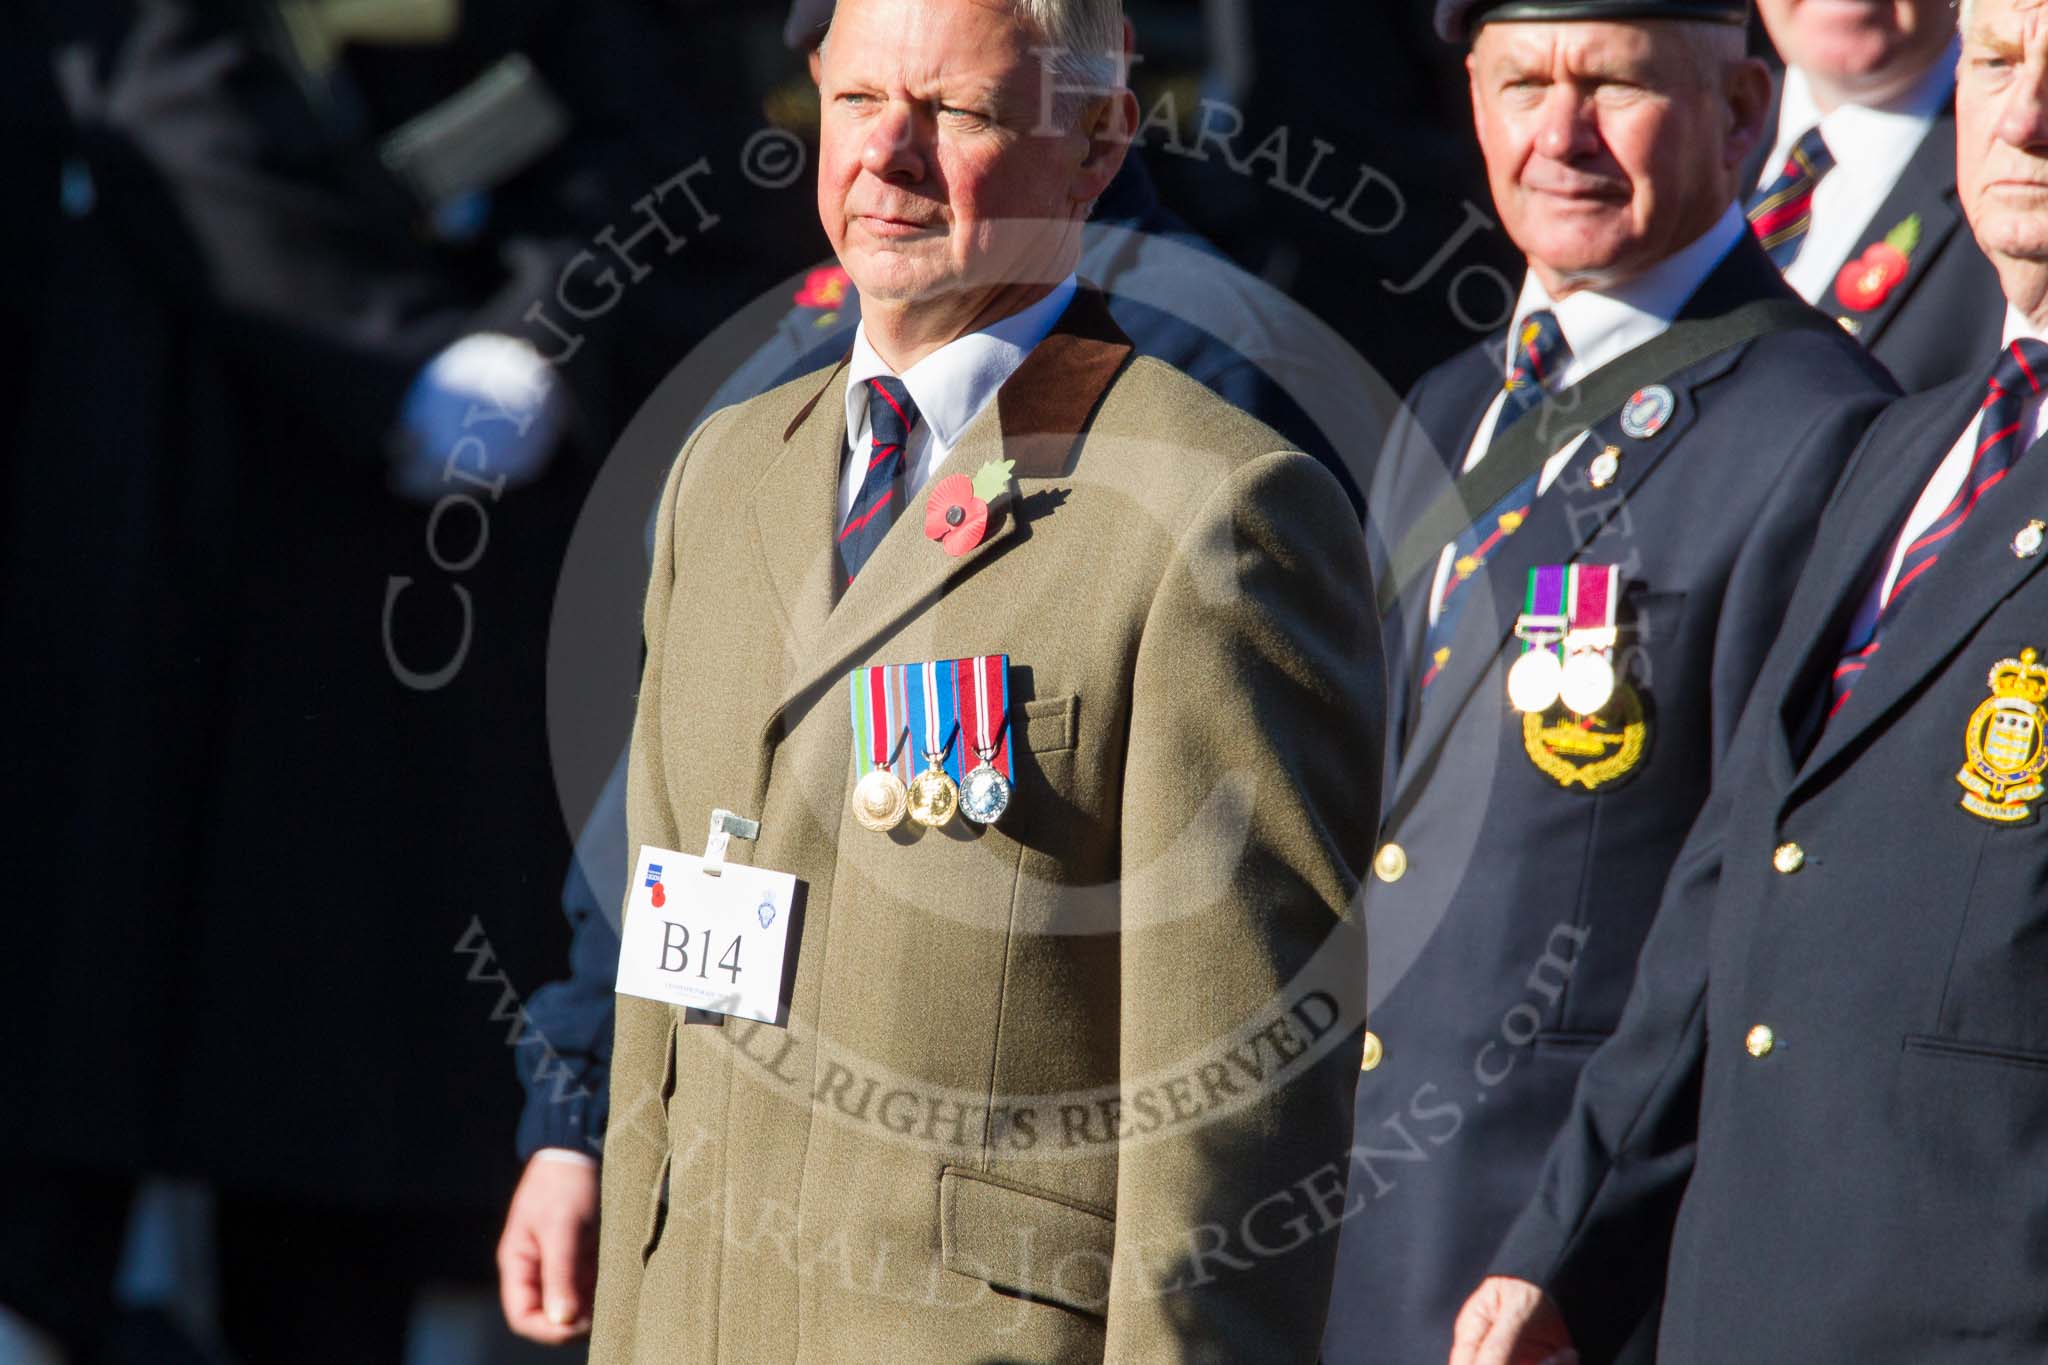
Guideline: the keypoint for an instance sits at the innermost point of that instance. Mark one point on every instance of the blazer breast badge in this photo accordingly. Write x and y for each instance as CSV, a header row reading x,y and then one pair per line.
x,y
2001,775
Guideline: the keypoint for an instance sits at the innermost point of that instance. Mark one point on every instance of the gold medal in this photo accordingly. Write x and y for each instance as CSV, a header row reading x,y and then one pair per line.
x,y
933,797
2005,751
879,801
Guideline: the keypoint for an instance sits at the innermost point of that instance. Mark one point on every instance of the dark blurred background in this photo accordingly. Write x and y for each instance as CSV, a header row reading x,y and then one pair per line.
x,y
327,315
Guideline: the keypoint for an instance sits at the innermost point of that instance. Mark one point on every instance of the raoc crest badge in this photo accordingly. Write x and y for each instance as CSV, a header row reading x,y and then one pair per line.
x,y
2005,748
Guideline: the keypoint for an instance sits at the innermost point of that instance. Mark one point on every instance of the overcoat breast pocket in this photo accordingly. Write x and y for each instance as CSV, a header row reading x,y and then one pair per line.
x,y
1996,993
1654,651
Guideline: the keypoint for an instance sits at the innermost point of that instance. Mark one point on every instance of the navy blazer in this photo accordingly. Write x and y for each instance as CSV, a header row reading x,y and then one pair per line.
x,y
1502,953
1869,1180
1947,314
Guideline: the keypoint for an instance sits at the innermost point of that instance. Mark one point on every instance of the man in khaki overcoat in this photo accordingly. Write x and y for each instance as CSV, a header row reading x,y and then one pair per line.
x,y
1071,1084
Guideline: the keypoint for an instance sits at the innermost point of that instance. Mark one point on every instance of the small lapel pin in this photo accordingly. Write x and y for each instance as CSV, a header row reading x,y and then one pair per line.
x,y
2028,542
1647,412
1605,466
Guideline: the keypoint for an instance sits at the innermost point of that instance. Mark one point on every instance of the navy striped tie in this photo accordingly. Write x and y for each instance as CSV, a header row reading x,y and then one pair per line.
x,y
891,419
2018,377
1782,211
1541,353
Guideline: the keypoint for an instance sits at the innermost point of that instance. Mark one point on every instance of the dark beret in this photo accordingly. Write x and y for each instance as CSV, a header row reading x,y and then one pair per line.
x,y
1456,19
805,27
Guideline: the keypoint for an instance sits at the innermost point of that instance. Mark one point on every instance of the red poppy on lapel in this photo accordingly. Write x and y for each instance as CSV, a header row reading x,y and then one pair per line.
x,y
953,516
1868,281
824,287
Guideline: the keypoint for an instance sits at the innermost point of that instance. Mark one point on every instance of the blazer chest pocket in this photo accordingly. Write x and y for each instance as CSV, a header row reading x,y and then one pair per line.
x,y
1047,726
1996,991
1025,1241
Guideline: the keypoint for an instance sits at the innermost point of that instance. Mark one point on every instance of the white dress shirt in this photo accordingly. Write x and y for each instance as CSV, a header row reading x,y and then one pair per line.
x,y
1947,481
1871,146
1599,327
950,388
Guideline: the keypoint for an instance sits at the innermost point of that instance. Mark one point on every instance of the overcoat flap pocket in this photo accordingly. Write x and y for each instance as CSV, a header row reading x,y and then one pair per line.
x,y
1025,1241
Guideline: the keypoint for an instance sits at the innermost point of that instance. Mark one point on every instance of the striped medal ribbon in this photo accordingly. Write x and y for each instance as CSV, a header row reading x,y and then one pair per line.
x,y
1535,678
982,685
933,794
880,720
1587,682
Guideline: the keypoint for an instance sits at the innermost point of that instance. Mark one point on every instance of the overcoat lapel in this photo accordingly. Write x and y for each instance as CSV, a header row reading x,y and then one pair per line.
x,y
1038,419
1435,449
1976,571
1926,189
794,513
1876,506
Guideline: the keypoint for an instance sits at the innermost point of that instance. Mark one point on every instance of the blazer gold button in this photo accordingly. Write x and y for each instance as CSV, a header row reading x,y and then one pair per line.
x,y
2031,538
1374,1053
1390,864
1789,858
1760,1041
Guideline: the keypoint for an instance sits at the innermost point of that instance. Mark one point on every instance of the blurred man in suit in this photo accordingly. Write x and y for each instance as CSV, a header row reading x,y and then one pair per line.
x,y
1185,829
1586,498
1855,183
1833,1056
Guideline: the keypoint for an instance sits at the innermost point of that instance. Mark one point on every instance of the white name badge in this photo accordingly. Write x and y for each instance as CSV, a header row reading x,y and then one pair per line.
x,y
708,942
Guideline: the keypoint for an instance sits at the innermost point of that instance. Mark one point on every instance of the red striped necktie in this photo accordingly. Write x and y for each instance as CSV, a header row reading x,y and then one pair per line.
x,y
1782,211
2018,377
891,419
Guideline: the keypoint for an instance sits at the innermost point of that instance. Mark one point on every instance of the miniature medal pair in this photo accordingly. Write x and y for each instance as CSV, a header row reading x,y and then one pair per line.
x,y
946,708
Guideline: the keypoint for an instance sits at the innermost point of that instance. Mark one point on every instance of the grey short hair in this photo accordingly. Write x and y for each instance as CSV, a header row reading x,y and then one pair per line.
x,y
1081,43
1082,47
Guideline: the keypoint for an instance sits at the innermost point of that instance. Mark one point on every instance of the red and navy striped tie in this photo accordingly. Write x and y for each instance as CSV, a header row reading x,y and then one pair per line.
x,y
1781,212
2017,378
891,419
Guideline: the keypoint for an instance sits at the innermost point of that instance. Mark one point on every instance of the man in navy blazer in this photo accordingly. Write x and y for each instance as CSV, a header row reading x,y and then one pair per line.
x,y
1507,899
1887,253
1821,1129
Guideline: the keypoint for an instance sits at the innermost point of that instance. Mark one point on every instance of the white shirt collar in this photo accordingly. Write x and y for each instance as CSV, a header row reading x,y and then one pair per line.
x,y
954,383
1863,137
1600,326
2019,327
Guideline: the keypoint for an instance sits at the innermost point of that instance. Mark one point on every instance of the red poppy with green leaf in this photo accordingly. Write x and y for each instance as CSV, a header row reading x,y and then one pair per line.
x,y
956,512
1868,281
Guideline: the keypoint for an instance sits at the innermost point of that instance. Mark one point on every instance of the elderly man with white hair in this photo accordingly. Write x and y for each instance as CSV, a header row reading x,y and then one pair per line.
x,y
1030,694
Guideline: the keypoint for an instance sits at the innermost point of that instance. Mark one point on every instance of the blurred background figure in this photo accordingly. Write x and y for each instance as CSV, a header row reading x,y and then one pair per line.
x,y
1855,183
334,308
291,473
